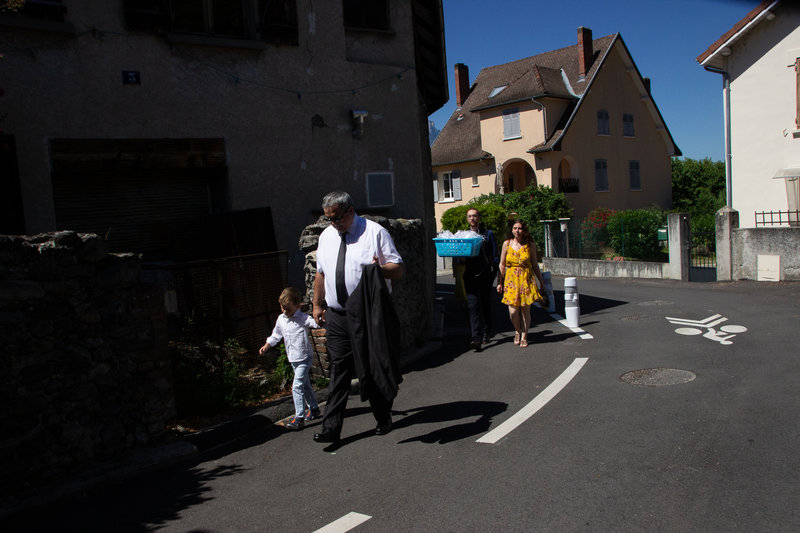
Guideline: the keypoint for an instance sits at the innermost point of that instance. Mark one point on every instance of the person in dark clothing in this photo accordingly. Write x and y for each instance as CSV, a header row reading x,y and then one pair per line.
x,y
346,248
479,275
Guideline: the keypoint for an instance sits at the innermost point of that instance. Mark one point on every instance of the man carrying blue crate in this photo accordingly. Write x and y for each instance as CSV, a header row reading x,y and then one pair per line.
x,y
479,275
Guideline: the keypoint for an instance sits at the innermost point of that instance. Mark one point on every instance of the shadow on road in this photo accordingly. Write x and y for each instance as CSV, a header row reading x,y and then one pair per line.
x,y
478,414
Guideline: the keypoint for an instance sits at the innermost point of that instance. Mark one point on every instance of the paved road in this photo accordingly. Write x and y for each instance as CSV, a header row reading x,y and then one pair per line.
x,y
686,423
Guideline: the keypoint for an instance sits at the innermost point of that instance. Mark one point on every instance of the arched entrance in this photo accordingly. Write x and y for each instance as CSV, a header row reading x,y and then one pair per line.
x,y
515,175
568,176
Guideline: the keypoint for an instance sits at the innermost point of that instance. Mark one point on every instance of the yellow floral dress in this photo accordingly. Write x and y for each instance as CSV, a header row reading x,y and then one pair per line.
x,y
519,289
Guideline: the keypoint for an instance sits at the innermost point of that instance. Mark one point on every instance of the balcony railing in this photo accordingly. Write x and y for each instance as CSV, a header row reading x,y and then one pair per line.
x,y
568,185
777,218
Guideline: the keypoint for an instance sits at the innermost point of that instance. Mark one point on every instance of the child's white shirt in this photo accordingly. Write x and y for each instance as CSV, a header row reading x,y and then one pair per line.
x,y
294,332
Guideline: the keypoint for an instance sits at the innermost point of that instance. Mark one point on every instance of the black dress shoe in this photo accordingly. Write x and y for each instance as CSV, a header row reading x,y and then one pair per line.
x,y
383,429
326,436
475,345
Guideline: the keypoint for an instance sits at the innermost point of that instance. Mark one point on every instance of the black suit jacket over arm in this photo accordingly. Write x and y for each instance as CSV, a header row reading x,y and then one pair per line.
x,y
374,331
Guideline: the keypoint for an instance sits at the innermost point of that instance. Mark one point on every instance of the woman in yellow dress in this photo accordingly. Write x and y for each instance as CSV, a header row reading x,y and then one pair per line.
x,y
518,264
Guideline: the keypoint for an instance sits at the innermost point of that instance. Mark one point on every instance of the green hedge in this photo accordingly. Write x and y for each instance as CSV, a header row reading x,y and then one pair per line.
x,y
534,204
634,233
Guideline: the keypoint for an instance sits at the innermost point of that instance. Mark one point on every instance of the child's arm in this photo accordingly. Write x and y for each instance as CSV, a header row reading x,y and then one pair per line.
x,y
310,322
272,340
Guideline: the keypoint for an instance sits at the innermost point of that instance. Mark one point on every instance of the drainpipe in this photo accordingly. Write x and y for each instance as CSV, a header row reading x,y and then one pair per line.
x,y
726,85
544,116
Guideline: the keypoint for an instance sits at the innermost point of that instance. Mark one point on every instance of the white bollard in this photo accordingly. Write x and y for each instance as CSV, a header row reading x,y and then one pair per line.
x,y
548,289
571,307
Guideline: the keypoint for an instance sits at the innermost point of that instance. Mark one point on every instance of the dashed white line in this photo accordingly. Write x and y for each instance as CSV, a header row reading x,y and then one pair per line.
x,y
577,331
345,523
534,405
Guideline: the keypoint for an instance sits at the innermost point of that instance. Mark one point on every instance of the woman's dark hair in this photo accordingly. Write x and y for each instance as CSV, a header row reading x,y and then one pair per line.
x,y
526,236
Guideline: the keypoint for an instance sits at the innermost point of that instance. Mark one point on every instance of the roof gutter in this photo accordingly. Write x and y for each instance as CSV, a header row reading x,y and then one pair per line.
x,y
726,91
735,37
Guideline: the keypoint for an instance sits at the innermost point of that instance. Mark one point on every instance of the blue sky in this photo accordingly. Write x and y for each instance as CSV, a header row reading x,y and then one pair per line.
x,y
663,36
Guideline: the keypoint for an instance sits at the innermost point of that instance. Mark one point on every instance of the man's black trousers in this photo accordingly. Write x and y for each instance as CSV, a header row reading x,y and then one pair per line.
x,y
342,371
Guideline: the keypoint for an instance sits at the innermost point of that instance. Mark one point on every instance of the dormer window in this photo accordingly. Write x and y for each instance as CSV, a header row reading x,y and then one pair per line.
x,y
497,90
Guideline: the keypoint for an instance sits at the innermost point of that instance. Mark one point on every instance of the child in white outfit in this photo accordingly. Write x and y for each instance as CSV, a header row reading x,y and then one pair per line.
x,y
292,326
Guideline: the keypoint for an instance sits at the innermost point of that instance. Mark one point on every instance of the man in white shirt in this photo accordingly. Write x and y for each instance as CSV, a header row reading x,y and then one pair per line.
x,y
345,247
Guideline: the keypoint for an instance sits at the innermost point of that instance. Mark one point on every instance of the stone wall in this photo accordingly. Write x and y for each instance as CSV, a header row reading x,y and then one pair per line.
x,y
595,268
742,252
410,294
85,368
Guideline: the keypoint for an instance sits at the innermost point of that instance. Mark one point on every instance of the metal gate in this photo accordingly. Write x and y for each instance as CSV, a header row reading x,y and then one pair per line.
x,y
703,256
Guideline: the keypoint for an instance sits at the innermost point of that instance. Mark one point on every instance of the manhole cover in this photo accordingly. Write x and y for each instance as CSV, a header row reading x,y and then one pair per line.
x,y
657,377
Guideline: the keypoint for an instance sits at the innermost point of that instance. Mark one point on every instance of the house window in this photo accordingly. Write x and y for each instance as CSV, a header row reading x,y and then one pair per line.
x,y
45,15
603,127
450,186
50,10
627,125
511,129
600,175
475,180
272,21
380,189
633,173
496,91
366,14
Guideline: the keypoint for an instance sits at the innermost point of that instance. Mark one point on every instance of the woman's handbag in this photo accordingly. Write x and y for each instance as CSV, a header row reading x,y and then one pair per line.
x,y
543,300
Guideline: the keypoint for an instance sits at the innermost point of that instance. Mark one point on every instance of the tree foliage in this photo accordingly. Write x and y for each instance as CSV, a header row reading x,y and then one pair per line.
x,y
634,233
534,204
492,216
698,188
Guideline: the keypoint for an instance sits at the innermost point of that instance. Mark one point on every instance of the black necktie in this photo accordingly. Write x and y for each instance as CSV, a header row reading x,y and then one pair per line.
x,y
341,287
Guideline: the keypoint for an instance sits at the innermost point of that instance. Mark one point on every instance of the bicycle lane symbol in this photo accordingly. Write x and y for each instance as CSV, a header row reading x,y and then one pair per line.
x,y
705,327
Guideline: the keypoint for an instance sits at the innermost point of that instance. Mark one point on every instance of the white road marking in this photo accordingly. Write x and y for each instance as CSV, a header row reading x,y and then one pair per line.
x,y
723,336
534,405
345,523
577,331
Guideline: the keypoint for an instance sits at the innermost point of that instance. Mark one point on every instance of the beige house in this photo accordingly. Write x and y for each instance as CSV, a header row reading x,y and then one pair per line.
x,y
579,119
171,128
759,59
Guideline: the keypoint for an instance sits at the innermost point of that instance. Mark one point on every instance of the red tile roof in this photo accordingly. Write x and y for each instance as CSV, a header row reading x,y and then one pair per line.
x,y
735,29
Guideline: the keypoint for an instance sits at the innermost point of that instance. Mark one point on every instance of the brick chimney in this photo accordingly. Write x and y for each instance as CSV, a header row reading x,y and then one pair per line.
x,y
585,51
462,83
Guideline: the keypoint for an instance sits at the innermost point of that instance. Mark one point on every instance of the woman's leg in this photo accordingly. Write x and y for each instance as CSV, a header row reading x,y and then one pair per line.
x,y
525,320
513,313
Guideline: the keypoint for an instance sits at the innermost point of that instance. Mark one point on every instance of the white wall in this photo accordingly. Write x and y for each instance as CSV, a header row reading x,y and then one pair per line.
x,y
763,111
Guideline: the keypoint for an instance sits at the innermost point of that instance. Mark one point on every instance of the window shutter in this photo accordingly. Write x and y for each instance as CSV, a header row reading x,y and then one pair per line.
x,y
511,128
457,185
436,187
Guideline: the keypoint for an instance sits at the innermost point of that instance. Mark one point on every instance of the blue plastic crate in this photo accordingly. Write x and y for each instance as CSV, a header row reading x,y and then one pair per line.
x,y
458,247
